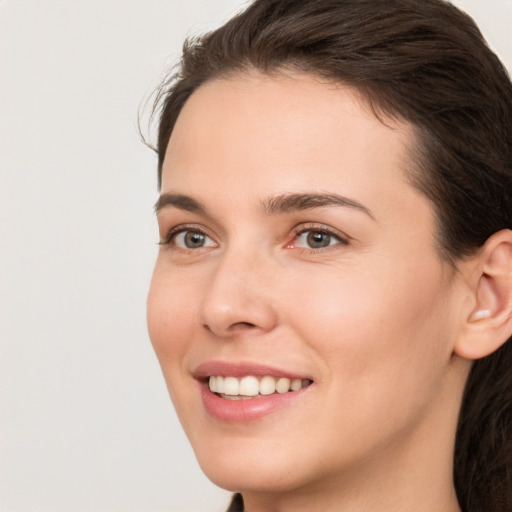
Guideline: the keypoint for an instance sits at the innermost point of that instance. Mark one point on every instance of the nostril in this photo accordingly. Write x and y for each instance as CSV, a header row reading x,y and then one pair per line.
x,y
242,325
237,326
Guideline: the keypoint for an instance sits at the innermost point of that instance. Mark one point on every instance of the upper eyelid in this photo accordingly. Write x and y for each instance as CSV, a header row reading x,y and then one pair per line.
x,y
169,219
311,226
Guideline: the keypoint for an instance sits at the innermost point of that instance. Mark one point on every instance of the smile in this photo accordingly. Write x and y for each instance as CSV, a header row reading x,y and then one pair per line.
x,y
243,392
250,386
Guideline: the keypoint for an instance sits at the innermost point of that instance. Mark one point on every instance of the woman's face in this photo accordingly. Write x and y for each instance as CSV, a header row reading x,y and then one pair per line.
x,y
294,247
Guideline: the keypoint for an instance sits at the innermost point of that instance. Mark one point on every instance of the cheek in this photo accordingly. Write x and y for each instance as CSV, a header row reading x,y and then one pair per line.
x,y
169,316
375,323
382,347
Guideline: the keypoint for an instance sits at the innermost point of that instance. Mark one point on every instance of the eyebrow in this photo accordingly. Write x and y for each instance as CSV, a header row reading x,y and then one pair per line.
x,y
286,203
180,201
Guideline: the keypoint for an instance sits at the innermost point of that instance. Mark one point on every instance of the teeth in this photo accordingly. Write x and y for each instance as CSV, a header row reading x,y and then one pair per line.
x,y
283,385
267,386
249,386
231,386
296,384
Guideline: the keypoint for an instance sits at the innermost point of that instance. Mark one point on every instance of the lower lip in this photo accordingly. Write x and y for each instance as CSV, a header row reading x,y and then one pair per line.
x,y
243,411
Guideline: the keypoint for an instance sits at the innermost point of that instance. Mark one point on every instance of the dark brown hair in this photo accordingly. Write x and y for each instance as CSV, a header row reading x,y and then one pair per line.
x,y
425,62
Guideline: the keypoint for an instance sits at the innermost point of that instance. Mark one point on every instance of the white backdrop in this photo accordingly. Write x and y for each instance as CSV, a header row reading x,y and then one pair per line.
x,y
85,421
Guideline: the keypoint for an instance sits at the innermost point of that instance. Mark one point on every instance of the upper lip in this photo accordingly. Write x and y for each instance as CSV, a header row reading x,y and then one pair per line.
x,y
241,369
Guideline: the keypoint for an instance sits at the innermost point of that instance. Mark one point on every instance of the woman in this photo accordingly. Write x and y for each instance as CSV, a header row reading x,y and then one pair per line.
x,y
332,302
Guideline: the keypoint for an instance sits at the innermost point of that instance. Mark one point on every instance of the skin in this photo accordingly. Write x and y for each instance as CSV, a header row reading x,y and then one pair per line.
x,y
372,318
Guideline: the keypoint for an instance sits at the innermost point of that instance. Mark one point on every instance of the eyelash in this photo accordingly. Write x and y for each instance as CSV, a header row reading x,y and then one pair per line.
x,y
297,232
342,240
174,232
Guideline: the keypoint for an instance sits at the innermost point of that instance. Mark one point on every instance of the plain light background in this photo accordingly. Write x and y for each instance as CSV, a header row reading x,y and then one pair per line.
x,y
85,420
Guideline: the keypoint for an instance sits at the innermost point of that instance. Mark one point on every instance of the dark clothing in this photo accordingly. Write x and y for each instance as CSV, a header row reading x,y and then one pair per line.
x,y
237,504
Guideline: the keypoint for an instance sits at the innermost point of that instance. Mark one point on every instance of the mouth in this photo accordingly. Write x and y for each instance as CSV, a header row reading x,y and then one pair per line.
x,y
251,386
243,392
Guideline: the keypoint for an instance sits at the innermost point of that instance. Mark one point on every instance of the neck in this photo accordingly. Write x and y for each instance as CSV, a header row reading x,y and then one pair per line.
x,y
393,488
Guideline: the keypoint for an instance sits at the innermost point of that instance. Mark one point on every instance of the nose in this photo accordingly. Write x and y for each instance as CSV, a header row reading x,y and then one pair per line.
x,y
237,300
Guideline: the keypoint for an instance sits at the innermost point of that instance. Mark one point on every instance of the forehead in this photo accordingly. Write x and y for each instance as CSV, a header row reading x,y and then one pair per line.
x,y
283,132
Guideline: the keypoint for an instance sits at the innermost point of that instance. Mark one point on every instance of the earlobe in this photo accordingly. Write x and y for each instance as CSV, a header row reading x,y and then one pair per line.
x,y
489,324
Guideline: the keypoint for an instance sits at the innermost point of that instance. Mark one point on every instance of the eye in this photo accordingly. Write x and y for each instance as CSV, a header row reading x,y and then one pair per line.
x,y
193,240
316,239
189,239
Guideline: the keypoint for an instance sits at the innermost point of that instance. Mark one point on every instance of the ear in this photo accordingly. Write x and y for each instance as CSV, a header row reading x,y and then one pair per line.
x,y
489,323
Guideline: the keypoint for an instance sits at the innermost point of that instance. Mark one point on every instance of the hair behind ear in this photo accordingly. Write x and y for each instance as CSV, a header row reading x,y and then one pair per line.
x,y
483,451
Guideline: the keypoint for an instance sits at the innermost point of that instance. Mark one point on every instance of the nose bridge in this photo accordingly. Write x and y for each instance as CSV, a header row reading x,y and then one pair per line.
x,y
237,298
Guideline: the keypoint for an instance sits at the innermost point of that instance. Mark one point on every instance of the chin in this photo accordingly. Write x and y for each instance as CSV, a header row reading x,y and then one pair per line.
x,y
250,468
246,478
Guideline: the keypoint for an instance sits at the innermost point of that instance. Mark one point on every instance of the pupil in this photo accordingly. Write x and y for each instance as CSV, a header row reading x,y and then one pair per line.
x,y
194,240
316,239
